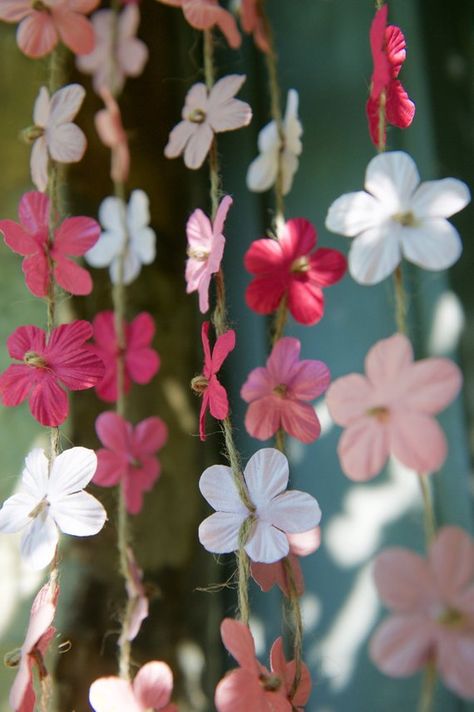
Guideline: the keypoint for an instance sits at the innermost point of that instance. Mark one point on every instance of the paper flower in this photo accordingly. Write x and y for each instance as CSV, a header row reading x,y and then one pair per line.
x,y
53,134
285,268
30,238
205,249
43,23
398,216
151,689
390,410
127,235
118,53
263,171
204,114
252,686
277,512
207,385
49,365
279,394
206,14
141,361
432,604
52,498
388,48
136,597
108,123
129,455
252,20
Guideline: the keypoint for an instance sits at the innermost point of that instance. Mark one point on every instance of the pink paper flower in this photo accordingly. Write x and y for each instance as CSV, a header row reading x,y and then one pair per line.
x,y
279,394
151,689
108,123
285,268
43,23
252,686
118,53
53,134
214,396
205,249
276,512
206,14
388,53
141,361
137,596
253,22
30,238
390,410
432,604
129,455
49,365
204,114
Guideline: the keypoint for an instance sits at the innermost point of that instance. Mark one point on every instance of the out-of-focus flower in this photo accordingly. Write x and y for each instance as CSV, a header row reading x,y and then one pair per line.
x,y
137,597
108,123
252,20
206,14
151,689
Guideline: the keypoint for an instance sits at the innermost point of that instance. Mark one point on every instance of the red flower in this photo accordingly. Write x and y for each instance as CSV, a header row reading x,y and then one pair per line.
x,y
49,364
285,268
388,53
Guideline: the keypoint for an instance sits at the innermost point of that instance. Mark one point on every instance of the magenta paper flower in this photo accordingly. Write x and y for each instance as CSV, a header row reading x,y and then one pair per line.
x,y
432,605
118,53
54,135
141,361
252,19
30,238
214,396
388,53
150,690
389,411
252,686
279,394
129,455
48,366
206,14
204,114
276,513
286,268
108,123
43,24
205,249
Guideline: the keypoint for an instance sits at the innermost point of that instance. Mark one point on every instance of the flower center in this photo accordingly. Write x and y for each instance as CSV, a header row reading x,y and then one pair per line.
x,y
271,683
39,509
406,219
452,618
199,255
281,390
31,358
30,134
135,462
301,264
199,384
39,6
197,116
380,412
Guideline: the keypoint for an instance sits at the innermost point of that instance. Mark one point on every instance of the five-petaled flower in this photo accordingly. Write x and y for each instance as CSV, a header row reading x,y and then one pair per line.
x,y
206,14
150,690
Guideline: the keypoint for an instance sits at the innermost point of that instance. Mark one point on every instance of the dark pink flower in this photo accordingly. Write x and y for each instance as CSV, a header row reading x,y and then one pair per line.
x,y
30,238
48,365
286,268
141,361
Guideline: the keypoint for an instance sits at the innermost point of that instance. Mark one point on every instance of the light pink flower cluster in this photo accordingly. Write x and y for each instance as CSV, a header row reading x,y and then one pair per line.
x,y
150,690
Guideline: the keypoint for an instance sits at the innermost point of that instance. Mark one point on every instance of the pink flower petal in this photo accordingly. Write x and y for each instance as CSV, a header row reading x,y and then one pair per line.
x,y
218,401
418,441
150,435
259,384
204,14
49,403
37,35
363,449
310,380
222,348
430,385
198,146
388,359
264,294
404,581
238,640
75,30
153,685
401,645
114,432
15,384
305,301
240,691
111,468
305,543
24,339
37,275
14,10
76,235
452,561
327,267
72,278
178,138
283,359
300,421
455,658
269,575
33,212
348,398
263,417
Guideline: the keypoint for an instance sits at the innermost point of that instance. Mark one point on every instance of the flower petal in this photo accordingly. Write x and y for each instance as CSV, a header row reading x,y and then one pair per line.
x,y
198,146
49,403
348,398
39,542
15,513
434,245
300,420
72,278
76,235
363,449
39,164
150,435
266,475
430,385
418,441
65,103
404,581
266,544
217,486
392,178
305,301
262,172
401,645
222,348
238,640
389,360
178,138
153,685
112,693
455,656
67,143
79,514
293,512
263,417
218,401
71,471
327,267
353,213
440,198
75,30
15,384
219,533
36,35
452,560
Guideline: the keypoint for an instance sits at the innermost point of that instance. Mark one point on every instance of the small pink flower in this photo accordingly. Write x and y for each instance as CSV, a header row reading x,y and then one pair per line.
x,y
214,396
108,123
253,22
205,249
286,268
206,14
43,23
141,361
432,603
137,596
49,364
204,114
151,689
129,455
390,410
279,394
30,238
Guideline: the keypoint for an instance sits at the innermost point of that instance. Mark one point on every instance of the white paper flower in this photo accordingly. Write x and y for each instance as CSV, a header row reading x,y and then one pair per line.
x,y
48,502
398,217
125,228
262,172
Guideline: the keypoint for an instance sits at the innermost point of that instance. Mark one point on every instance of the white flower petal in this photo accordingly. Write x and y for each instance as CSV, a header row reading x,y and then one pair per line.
x,y
15,513
262,172
266,475
79,514
65,103
39,542
292,125
289,166
35,474
217,486
66,143
72,470
440,198
268,139
219,533
392,177
294,512
107,248
352,213
267,544
131,268
113,215
375,254
143,243
435,245
41,108
138,212
39,164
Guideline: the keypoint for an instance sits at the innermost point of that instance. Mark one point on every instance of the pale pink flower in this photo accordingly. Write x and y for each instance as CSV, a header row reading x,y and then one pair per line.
x,y
53,133
206,14
253,22
390,410
108,123
151,689
432,604
204,114
137,597
205,249
279,394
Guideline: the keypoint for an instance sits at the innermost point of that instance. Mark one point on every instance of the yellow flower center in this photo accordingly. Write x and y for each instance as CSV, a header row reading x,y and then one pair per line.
x,y
39,509
30,134
31,358
199,384
197,116
199,255
406,219
380,412
452,618
280,390
271,683
301,264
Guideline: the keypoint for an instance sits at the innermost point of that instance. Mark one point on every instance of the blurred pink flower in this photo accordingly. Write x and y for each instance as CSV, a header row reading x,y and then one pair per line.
x,y
205,14
205,249
252,18
204,114
432,603
389,411
279,393
108,123
151,689
136,594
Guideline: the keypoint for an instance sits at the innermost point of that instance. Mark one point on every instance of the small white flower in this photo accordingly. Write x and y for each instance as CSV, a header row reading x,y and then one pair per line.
x,y
125,228
47,502
262,172
398,217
